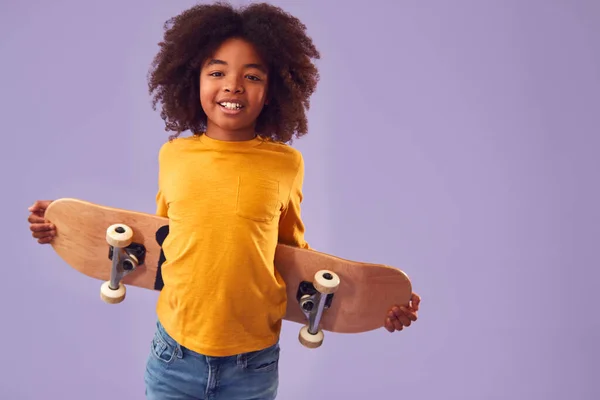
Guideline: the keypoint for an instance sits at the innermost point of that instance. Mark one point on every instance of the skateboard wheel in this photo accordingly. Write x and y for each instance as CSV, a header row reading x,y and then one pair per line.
x,y
112,296
326,282
119,235
309,340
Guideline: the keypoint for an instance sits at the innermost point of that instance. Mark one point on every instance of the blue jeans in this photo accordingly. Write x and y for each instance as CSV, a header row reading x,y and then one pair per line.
x,y
176,373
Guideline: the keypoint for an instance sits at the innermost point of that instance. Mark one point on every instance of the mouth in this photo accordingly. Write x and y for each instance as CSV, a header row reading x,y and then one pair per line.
x,y
231,107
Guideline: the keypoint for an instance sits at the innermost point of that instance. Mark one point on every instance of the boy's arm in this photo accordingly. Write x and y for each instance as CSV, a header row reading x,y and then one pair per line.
x,y
291,227
161,202
161,205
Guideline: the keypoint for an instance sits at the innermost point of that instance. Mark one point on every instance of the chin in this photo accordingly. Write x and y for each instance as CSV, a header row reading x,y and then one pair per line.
x,y
230,125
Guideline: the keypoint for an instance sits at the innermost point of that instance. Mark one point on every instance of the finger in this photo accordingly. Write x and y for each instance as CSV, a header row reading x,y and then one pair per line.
x,y
40,233
36,219
405,314
389,325
36,209
39,206
415,301
41,227
402,319
397,325
392,314
43,235
45,240
408,313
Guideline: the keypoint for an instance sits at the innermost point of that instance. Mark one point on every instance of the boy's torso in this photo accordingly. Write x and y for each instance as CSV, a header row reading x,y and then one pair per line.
x,y
222,295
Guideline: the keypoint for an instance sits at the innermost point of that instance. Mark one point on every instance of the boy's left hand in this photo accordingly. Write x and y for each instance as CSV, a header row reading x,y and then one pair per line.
x,y
399,317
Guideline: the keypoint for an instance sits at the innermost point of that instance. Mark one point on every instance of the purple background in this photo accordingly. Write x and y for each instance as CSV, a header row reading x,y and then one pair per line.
x,y
457,140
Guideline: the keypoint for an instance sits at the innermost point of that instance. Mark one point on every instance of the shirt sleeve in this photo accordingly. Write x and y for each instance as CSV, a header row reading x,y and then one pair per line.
x,y
161,205
291,227
161,202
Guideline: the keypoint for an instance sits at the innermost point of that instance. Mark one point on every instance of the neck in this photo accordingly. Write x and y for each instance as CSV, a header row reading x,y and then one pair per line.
x,y
218,133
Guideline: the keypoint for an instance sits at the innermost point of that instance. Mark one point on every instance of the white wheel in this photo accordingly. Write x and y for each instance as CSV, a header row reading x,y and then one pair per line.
x,y
309,340
119,235
326,282
112,296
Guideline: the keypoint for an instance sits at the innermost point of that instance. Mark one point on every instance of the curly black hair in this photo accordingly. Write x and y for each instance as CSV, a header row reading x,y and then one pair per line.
x,y
280,40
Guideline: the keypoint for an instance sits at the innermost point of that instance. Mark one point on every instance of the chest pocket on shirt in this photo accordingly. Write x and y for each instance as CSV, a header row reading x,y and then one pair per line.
x,y
257,199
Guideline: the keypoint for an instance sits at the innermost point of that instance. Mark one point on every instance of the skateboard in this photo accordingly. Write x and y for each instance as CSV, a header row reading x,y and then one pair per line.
x,y
324,292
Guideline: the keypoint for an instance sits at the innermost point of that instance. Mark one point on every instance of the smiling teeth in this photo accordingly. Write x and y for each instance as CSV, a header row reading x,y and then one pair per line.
x,y
231,106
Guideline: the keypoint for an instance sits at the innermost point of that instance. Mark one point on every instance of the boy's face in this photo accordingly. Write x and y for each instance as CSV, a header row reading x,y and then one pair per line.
x,y
233,89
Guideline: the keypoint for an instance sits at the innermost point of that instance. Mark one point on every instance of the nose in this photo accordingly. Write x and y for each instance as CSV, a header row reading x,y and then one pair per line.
x,y
234,85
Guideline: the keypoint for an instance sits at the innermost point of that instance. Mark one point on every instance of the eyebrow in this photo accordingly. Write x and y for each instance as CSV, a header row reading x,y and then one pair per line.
x,y
215,61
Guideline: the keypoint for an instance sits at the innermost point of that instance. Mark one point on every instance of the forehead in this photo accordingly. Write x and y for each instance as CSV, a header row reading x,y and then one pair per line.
x,y
237,52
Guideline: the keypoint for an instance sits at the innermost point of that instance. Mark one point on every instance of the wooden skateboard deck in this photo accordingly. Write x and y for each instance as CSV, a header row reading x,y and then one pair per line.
x,y
324,292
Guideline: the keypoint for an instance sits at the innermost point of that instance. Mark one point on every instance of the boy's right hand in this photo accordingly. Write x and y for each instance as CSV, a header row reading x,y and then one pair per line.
x,y
41,229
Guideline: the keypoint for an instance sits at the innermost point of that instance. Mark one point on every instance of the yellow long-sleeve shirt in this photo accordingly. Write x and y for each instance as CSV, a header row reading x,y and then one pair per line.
x,y
228,204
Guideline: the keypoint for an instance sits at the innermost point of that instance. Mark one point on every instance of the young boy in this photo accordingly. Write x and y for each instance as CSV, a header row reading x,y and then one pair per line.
x,y
240,81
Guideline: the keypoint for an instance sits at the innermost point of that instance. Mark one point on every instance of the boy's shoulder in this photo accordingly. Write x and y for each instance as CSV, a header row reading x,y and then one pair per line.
x,y
288,157
283,148
174,144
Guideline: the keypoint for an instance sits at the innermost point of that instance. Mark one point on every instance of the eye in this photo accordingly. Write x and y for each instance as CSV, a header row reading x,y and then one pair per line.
x,y
217,73
253,78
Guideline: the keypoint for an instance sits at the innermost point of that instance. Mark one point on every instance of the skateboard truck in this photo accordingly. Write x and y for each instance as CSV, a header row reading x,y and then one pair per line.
x,y
125,256
314,299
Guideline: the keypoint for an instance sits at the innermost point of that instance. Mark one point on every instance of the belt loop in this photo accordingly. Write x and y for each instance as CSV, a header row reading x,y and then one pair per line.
x,y
242,360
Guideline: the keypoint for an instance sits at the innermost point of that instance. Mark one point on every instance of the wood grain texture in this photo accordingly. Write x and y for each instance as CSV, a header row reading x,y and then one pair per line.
x,y
81,238
365,294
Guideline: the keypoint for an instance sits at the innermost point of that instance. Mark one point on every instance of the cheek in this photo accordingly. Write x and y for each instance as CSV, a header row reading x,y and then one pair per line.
x,y
205,98
260,97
